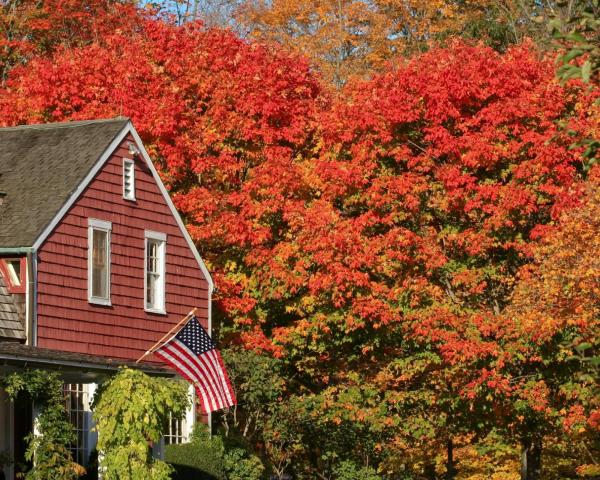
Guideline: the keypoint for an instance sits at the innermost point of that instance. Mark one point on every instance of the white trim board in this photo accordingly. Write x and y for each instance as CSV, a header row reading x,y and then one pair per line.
x,y
174,211
129,129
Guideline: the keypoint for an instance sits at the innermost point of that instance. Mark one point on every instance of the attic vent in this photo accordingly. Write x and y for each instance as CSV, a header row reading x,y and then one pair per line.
x,y
128,179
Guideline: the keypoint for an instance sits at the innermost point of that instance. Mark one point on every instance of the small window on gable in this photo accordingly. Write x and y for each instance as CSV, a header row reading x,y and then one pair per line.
x,y
14,272
99,261
128,179
154,290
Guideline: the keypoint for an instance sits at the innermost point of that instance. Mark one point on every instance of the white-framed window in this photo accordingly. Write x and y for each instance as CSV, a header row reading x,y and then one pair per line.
x,y
175,431
14,271
99,261
76,403
128,179
154,271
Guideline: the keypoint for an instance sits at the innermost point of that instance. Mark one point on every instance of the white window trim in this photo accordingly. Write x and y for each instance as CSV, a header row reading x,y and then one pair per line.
x,y
94,224
126,162
161,237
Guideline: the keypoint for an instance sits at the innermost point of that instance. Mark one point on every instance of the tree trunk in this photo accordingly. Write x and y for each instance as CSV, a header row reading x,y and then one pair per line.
x,y
450,468
531,458
429,471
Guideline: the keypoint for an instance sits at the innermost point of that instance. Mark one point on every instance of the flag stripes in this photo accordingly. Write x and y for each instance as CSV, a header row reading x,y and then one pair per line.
x,y
193,354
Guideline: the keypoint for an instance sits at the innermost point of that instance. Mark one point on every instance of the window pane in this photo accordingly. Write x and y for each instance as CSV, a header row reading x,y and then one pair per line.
x,y
152,257
14,269
150,287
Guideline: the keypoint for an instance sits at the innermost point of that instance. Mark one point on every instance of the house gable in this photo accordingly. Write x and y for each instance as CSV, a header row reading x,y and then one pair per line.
x,y
66,320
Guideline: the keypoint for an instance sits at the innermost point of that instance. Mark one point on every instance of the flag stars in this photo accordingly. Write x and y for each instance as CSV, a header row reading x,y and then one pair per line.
x,y
194,355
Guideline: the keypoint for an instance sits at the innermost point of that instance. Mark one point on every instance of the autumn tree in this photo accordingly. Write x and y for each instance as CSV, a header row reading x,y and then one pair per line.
x,y
430,193
348,38
369,241
29,28
555,327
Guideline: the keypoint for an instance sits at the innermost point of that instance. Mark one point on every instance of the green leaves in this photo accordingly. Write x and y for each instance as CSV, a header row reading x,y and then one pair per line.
x,y
580,35
131,411
50,448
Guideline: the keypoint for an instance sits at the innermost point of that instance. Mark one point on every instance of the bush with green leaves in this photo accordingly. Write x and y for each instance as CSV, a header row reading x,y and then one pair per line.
x,y
131,411
50,447
239,465
350,471
258,383
209,457
202,458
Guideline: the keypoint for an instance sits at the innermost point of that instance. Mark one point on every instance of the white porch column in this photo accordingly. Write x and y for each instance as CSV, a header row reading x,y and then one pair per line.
x,y
92,436
190,415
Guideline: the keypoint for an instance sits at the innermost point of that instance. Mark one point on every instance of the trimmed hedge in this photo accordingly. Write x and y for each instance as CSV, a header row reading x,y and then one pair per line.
x,y
202,459
207,458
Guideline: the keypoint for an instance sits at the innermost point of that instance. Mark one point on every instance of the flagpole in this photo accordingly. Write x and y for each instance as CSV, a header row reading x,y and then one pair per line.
x,y
170,332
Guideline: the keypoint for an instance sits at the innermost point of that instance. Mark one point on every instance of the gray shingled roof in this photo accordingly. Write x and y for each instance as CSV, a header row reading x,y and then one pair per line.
x,y
40,167
17,354
11,315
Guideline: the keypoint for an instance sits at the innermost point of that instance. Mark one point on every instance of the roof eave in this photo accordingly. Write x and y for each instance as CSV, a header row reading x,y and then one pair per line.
x,y
24,361
16,250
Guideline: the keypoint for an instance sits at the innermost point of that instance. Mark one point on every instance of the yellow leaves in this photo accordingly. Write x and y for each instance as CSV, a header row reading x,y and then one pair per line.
x,y
588,470
352,38
561,287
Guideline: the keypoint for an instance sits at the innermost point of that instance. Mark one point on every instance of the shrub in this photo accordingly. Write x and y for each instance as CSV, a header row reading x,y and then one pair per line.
x,y
206,457
349,471
241,466
50,447
201,459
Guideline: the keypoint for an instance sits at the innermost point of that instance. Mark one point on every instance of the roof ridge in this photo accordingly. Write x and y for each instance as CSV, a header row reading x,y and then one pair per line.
x,y
72,124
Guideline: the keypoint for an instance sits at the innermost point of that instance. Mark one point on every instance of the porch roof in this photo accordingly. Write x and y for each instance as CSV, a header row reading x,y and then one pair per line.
x,y
17,355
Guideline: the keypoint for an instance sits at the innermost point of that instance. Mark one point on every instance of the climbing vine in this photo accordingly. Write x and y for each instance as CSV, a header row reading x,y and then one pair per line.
x,y
131,411
50,446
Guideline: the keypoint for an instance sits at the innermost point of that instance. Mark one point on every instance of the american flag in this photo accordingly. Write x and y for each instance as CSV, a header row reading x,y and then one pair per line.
x,y
193,354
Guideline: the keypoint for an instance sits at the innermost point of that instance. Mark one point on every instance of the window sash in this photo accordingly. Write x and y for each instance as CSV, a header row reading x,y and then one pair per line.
x,y
76,404
154,300
99,262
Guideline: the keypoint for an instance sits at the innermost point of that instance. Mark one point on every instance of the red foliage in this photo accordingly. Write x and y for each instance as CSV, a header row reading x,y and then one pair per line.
x,y
392,216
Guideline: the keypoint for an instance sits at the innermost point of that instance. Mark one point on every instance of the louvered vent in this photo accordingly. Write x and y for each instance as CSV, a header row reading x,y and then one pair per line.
x,y
128,179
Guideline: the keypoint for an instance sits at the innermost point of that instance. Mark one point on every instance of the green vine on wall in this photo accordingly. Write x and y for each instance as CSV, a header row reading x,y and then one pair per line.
x,y
131,411
50,447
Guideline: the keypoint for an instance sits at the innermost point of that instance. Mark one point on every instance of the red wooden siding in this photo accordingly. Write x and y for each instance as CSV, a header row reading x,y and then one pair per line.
x,y
66,321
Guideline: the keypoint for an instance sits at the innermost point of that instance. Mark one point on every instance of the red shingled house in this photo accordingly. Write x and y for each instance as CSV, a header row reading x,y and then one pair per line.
x,y
95,262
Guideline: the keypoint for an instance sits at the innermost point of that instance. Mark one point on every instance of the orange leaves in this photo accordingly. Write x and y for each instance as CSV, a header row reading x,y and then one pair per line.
x,y
562,287
353,38
370,239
